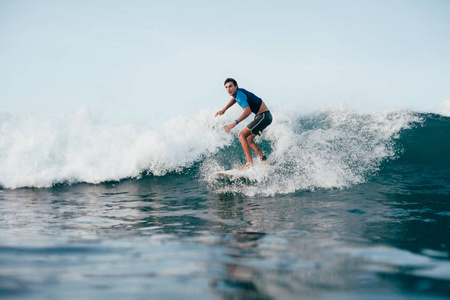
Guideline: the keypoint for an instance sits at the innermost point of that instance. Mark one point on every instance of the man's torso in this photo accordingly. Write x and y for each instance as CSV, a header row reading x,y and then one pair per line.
x,y
245,98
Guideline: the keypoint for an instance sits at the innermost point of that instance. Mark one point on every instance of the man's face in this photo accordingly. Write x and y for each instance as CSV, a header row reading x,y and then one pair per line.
x,y
231,88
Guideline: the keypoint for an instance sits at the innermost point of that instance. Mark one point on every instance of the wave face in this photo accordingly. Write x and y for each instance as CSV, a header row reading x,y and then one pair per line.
x,y
332,148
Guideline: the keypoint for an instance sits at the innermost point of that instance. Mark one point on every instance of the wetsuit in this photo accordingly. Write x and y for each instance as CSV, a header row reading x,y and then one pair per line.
x,y
247,99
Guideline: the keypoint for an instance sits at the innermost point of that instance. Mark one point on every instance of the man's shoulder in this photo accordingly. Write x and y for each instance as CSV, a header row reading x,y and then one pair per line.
x,y
241,93
247,93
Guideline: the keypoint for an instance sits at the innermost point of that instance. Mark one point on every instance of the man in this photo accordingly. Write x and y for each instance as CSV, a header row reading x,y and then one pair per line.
x,y
251,104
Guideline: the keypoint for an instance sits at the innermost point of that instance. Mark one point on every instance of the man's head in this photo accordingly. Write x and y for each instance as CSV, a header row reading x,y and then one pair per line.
x,y
231,86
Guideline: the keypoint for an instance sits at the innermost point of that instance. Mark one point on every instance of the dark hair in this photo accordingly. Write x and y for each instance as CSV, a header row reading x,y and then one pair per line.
x,y
230,80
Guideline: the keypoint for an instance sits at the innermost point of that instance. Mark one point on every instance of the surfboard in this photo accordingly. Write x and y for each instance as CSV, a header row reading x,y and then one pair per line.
x,y
256,172
230,174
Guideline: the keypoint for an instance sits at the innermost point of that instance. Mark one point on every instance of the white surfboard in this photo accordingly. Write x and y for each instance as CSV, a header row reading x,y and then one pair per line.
x,y
230,174
256,172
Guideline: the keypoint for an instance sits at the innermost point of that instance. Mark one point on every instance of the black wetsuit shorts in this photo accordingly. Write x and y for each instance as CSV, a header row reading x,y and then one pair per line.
x,y
260,122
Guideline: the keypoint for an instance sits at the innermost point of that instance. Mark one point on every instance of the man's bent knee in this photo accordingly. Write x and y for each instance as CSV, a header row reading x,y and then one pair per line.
x,y
242,136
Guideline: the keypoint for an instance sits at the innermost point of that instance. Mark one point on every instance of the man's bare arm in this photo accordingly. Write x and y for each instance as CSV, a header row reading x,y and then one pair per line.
x,y
244,116
230,104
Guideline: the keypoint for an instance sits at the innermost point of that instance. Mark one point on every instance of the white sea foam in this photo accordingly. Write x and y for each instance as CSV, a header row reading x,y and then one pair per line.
x,y
39,151
445,108
333,148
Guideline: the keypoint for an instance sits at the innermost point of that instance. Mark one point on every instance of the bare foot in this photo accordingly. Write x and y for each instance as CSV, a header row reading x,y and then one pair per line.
x,y
248,165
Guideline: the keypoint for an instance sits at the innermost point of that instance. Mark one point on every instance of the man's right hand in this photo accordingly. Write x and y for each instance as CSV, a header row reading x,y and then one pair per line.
x,y
220,112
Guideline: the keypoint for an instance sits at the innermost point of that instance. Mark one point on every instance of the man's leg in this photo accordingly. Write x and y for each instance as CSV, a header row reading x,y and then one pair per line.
x,y
254,145
260,122
243,138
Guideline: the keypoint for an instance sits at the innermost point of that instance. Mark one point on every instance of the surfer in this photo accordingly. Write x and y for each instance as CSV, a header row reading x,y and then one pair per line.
x,y
251,104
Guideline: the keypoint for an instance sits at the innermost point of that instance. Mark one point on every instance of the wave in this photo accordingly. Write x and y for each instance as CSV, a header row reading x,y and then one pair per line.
x,y
40,151
332,148
428,143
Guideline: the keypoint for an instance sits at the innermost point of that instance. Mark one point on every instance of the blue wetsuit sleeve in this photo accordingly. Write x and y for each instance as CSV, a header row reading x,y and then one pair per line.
x,y
241,99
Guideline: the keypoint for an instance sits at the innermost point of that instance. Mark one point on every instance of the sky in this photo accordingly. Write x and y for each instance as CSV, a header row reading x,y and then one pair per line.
x,y
155,60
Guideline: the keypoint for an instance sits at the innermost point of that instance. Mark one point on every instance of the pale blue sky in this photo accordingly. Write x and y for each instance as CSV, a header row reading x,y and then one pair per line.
x,y
158,59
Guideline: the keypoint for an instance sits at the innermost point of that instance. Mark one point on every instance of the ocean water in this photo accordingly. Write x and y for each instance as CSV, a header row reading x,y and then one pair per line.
x,y
354,206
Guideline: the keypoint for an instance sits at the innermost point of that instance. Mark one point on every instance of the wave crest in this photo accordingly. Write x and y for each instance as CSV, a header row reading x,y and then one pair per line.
x,y
332,148
39,151
328,149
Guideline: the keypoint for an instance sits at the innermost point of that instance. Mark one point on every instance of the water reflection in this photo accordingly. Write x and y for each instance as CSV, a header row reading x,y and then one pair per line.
x,y
238,279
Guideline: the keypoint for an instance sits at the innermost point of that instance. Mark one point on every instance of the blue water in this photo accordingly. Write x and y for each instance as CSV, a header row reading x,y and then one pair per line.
x,y
355,206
